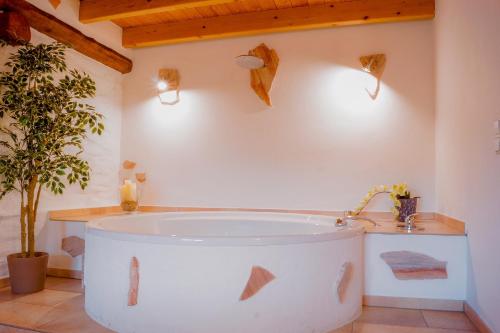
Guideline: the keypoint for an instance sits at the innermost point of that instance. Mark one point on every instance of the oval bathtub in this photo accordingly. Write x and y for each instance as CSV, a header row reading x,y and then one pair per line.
x,y
222,272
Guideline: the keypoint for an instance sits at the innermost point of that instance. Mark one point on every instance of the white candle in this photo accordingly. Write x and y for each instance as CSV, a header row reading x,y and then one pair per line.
x,y
128,191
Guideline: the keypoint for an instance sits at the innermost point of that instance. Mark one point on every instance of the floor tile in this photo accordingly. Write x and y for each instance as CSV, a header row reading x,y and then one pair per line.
x,y
48,297
72,285
70,321
75,304
7,295
22,314
448,319
376,328
392,316
53,281
344,329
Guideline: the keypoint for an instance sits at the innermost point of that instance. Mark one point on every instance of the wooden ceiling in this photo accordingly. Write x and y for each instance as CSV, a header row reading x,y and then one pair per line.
x,y
154,22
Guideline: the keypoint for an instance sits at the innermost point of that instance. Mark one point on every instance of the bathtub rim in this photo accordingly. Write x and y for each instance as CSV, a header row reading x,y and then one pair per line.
x,y
337,233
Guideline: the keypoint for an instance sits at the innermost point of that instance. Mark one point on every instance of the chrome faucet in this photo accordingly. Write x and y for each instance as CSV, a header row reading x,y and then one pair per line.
x,y
410,224
342,222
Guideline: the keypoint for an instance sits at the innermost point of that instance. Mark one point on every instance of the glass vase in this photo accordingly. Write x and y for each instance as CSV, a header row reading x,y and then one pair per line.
x,y
129,199
408,207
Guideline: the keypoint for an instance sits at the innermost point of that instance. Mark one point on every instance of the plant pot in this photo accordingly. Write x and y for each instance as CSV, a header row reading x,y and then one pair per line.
x,y
27,274
408,207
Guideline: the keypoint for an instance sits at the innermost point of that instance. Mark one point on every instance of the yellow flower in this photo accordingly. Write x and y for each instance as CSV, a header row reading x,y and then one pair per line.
x,y
394,191
400,189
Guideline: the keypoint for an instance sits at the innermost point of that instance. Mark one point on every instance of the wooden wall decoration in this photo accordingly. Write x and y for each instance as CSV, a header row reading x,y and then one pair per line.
x,y
133,291
261,79
14,28
407,265
55,3
375,65
259,277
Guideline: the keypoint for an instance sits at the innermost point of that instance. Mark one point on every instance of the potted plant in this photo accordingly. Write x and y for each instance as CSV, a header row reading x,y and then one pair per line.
x,y
44,124
404,204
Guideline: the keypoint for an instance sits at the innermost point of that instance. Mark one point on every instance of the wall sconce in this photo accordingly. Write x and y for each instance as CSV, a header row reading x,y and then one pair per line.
x,y
263,65
375,65
168,86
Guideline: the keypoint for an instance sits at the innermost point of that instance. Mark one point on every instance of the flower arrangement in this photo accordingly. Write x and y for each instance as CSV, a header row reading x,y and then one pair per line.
x,y
399,191
396,193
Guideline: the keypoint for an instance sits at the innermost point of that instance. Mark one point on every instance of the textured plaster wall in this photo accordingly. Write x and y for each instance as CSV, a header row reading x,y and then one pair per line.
x,y
324,143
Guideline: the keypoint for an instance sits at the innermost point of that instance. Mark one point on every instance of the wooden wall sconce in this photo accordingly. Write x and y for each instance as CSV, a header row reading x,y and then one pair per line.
x,y
375,65
14,27
263,64
168,86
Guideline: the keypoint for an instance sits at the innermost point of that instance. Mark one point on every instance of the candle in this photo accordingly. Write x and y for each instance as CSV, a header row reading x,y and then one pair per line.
x,y
128,191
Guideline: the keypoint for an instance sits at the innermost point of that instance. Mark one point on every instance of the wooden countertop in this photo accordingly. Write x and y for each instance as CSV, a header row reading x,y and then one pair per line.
x,y
431,223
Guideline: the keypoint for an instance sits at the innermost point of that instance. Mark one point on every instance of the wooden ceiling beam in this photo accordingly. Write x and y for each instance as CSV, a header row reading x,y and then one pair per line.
x,y
106,10
353,12
66,34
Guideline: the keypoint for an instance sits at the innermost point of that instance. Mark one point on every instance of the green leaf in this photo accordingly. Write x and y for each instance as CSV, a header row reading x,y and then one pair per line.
x,y
48,117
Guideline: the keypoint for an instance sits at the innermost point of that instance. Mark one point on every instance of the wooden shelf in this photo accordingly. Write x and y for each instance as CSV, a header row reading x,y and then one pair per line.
x,y
432,223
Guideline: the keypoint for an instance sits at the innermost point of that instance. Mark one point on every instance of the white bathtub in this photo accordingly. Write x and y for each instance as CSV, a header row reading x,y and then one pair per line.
x,y
194,268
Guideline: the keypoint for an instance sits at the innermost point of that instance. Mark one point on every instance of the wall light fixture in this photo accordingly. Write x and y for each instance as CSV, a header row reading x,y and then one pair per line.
x,y
168,86
375,65
263,64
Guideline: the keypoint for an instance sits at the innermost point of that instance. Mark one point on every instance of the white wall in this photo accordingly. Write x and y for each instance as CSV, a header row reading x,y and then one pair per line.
x,y
467,168
322,145
103,153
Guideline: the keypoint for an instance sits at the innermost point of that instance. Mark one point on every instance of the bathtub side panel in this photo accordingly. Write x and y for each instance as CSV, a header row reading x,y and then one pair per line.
x,y
198,288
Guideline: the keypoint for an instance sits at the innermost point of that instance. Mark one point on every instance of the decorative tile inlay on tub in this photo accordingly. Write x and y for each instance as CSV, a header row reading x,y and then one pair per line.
x,y
407,265
343,279
257,280
75,246
134,282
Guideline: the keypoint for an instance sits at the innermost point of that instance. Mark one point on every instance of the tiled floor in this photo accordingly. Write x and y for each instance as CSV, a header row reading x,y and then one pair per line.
x,y
59,309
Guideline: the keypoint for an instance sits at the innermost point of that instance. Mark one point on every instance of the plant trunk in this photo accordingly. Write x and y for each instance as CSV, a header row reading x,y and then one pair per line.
x,y
23,224
31,215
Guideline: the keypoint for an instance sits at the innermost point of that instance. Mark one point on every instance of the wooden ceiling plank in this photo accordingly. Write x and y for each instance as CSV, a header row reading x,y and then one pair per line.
x,y
194,13
206,11
315,2
66,34
100,10
354,12
222,10
249,6
299,3
283,3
